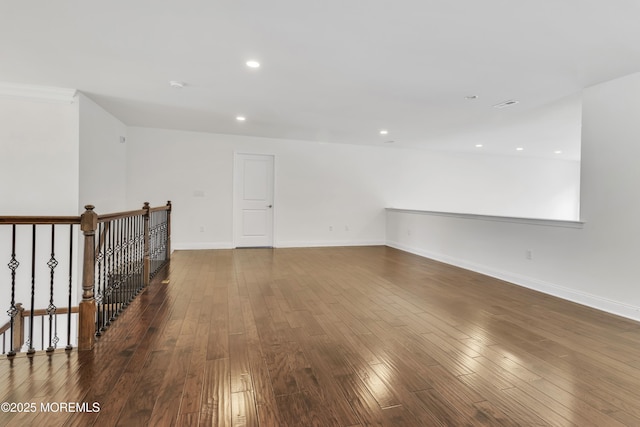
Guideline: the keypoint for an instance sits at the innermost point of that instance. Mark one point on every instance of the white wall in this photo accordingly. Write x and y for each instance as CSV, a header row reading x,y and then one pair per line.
x,y
39,169
103,159
485,184
611,177
593,265
39,165
57,156
317,186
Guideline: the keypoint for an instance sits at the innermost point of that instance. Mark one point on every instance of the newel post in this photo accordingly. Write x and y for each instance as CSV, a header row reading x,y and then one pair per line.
x,y
87,309
18,328
147,260
169,231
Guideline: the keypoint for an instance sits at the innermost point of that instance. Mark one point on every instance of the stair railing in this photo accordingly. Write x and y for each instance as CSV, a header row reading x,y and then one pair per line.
x,y
121,252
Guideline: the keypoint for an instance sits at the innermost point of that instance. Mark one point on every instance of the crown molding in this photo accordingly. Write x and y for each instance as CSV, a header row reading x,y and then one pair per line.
x,y
37,93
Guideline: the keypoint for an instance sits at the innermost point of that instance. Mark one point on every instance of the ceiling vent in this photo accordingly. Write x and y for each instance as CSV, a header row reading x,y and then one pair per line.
x,y
506,104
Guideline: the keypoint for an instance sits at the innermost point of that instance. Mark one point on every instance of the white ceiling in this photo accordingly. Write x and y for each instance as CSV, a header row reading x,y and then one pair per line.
x,y
332,71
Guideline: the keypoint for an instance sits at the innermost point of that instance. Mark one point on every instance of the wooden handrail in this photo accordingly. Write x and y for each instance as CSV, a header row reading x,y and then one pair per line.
x,y
4,328
44,220
103,236
161,208
37,312
18,322
120,215
60,310
39,220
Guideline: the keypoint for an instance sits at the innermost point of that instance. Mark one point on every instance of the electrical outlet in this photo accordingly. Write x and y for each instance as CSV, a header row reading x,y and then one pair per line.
x,y
331,228
346,228
528,254
202,229
408,232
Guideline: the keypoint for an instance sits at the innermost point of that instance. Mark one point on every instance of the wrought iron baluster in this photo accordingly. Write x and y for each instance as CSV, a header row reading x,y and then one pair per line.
x,y
109,275
151,234
100,259
30,349
134,256
125,248
154,230
118,298
165,223
123,268
69,346
156,235
141,253
51,308
160,237
13,311
152,243
159,240
98,277
165,238
114,271
130,241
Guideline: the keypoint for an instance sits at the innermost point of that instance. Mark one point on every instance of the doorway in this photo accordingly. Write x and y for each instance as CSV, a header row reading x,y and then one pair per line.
x,y
253,200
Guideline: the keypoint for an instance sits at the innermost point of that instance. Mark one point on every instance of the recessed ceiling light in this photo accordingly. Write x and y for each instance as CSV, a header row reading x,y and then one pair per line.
x,y
384,132
557,152
519,149
241,118
506,104
176,84
479,145
253,64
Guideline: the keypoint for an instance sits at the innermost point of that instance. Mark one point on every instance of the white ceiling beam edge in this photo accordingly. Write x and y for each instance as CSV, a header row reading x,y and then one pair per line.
x,y
38,93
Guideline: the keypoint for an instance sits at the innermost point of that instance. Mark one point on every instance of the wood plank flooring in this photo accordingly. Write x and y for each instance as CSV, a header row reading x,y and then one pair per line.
x,y
367,336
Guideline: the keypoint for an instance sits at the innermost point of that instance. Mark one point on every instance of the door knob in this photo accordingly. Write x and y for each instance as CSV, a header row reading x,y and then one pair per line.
x,y
270,206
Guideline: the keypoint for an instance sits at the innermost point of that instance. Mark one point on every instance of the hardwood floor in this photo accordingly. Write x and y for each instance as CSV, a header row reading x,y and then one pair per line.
x,y
338,337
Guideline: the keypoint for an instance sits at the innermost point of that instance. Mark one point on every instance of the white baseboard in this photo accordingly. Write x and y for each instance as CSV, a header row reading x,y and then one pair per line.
x,y
324,243
201,245
285,244
583,298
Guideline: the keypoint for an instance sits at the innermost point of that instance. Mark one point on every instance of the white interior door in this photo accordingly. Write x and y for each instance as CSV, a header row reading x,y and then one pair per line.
x,y
253,195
